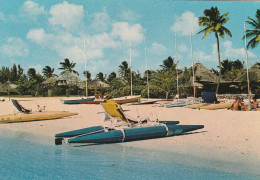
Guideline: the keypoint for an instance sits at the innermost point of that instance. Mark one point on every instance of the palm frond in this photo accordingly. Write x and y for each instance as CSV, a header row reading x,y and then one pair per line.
x,y
226,31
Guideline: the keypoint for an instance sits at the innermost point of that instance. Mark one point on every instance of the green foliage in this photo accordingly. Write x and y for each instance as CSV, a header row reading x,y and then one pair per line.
x,y
88,74
68,66
154,92
58,91
165,80
72,90
255,32
100,76
48,72
111,76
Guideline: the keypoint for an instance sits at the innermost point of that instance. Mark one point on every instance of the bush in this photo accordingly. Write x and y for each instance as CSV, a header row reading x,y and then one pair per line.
x,y
58,91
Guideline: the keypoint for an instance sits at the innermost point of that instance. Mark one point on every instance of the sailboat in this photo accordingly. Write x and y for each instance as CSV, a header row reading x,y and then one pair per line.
x,y
131,98
82,100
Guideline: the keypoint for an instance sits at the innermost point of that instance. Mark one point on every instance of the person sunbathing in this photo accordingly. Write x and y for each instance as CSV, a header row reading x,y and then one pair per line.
x,y
236,106
254,104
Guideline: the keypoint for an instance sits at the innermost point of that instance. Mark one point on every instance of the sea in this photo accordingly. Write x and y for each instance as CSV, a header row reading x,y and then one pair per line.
x,y
23,156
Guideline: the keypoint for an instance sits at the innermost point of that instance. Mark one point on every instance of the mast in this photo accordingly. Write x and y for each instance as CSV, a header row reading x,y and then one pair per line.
x,y
146,68
176,66
130,53
85,50
247,74
193,74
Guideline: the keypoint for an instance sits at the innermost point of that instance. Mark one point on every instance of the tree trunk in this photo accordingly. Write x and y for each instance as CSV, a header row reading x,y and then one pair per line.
x,y
219,61
167,94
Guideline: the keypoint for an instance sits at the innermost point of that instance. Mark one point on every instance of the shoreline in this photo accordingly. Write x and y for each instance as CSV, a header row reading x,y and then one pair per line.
x,y
228,142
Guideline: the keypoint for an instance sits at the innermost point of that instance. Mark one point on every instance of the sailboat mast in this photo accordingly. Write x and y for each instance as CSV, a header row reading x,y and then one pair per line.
x,y
130,54
176,66
247,74
85,53
193,74
146,67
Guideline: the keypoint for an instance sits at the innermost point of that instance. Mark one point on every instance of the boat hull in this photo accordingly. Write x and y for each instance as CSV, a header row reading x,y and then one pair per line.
x,y
133,134
37,116
77,101
91,102
125,100
216,106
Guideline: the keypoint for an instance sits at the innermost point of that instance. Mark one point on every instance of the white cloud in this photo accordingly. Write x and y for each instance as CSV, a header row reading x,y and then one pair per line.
x,y
233,53
124,31
227,52
101,21
128,15
66,15
185,24
14,47
157,48
31,10
36,35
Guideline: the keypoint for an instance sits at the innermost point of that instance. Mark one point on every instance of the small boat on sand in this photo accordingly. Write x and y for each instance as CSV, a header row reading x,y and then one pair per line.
x,y
35,116
126,99
92,102
76,101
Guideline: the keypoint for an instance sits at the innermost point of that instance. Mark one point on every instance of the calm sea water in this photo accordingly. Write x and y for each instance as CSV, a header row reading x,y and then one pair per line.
x,y
21,158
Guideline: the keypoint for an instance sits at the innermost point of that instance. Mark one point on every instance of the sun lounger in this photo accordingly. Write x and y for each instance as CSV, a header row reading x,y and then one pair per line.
x,y
19,107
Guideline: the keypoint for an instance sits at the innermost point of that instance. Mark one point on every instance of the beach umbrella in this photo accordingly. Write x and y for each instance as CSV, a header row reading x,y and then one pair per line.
x,y
97,84
8,86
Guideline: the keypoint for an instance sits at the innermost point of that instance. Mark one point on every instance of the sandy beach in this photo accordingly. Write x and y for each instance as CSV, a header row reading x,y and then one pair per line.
x,y
229,141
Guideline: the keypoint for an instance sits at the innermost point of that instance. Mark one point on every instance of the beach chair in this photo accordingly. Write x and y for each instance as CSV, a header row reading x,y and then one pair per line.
x,y
209,97
20,108
115,111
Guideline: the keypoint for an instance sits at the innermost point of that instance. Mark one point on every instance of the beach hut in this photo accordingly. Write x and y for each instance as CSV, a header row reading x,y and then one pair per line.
x,y
97,84
8,86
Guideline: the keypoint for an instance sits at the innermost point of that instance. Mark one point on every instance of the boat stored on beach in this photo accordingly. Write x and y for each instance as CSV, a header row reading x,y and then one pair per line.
x,y
76,101
35,116
126,99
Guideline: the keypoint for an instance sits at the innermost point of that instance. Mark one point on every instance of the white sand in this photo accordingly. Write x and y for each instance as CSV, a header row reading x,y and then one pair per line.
x,y
229,141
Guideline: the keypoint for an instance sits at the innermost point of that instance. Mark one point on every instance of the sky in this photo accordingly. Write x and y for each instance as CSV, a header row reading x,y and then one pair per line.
x,y
101,33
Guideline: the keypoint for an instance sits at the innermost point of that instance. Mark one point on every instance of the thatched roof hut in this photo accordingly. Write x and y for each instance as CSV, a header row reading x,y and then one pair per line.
x,y
254,73
50,81
203,74
97,84
70,79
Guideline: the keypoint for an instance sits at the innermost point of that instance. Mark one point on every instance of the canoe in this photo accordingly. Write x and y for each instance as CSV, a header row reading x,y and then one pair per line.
x,y
124,100
217,106
133,134
91,102
195,106
76,101
144,102
35,116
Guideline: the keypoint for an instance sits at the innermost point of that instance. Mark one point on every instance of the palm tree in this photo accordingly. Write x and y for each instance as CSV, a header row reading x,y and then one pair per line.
x,y
124,70
168,63
213,22
68,66
255,33
32,73
48,72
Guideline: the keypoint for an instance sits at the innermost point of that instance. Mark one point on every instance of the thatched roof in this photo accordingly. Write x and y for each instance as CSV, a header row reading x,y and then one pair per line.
x,y
97,84
203,74
50,81
254,73
71,79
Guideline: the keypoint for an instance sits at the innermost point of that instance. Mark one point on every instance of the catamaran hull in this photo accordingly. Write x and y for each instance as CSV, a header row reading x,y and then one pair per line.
x,y
134,134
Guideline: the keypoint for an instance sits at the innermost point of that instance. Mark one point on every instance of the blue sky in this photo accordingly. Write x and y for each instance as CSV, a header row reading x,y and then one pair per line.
x,y
39,33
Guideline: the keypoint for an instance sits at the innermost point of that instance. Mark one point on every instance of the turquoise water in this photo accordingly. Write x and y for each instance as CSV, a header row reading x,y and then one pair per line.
x,y
23,159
